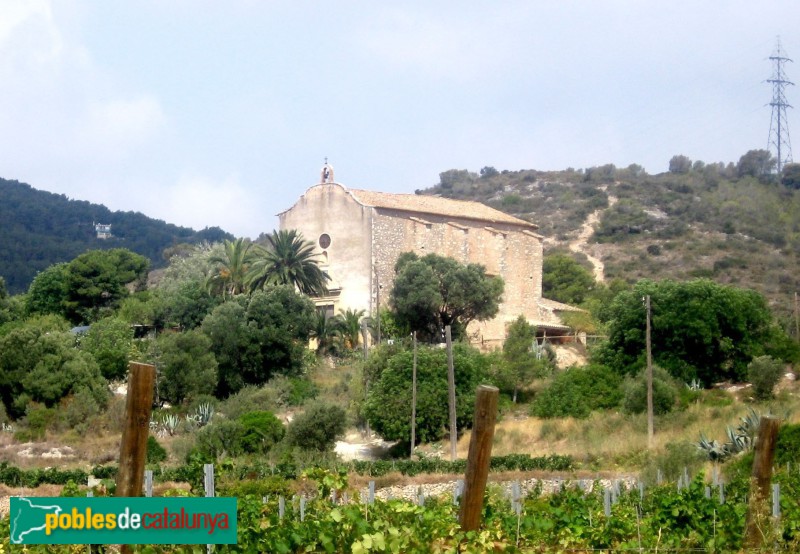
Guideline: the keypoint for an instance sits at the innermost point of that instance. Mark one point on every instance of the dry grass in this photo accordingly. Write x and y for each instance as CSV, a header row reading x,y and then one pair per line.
x,y
616,440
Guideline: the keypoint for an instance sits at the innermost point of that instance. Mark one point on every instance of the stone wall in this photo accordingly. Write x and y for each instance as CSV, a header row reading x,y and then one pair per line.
x,y
508,251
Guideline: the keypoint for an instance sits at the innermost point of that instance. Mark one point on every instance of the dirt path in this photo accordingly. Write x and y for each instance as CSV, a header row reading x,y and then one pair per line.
x,y
581,243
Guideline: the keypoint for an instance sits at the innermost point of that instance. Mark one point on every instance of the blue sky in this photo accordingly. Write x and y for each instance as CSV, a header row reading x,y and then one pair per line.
x,y
206,113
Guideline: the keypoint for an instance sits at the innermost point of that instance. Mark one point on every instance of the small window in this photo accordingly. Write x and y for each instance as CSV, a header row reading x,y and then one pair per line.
x,y
324,240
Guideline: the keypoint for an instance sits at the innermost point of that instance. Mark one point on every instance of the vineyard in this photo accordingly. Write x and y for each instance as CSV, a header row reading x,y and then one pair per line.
x,y
690,517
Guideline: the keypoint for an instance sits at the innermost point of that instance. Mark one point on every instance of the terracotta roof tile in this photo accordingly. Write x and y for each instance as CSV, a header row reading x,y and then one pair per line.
x,y
436,205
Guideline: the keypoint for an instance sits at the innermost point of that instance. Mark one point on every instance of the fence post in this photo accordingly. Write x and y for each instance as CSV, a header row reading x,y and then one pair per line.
x,y
148,483
760,483
479,457
133,448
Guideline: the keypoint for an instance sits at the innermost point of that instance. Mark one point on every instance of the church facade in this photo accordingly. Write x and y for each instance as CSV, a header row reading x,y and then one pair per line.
x,y
359,235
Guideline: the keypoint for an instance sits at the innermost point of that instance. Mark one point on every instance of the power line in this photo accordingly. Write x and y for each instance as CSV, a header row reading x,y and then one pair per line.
x,y
779,124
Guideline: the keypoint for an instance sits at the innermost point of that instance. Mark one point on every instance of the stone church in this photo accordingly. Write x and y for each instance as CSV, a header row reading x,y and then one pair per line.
x,y
359,235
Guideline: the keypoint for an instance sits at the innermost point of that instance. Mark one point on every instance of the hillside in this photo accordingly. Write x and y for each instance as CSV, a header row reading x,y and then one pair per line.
x,y
706,221
40,228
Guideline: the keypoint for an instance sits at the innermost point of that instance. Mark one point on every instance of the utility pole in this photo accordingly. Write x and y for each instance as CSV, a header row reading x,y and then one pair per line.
x,y
451,386
779,124
414,396
649,378
378,302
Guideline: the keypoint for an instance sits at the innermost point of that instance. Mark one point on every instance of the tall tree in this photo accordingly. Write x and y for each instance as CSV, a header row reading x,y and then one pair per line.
x,y
288,260
434,291
565,280
522,363
96,281
700,329
231,267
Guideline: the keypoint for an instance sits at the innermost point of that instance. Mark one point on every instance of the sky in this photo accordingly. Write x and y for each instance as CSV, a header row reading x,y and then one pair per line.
x,y
220,113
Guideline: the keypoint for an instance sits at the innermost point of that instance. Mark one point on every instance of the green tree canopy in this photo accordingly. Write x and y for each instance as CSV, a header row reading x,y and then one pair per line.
x,y
47,291
388,406
521,362
256,337
700,329
230,267
41,364
109,341
565,280
95,282
187,367
756,163
434,291
288,259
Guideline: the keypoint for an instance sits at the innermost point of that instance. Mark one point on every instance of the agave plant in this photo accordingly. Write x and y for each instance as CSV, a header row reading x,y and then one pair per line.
x,y
203,414
169,423
715,451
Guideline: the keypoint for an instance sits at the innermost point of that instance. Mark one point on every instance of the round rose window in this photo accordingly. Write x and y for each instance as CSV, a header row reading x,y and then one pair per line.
x,y
324,240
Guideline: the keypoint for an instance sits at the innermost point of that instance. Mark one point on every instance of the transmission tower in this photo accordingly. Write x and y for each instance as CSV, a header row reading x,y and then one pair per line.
x,y
779,141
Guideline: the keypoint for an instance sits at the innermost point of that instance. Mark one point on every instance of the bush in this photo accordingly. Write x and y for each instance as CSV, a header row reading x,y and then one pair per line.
x,y
317,428
222,437
788,446
155,452
764,373
388,406
261,431
250,399
672,462
577,391
664,393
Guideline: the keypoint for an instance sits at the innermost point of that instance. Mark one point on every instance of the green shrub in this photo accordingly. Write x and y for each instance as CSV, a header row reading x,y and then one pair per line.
x,y
764,373
577,391
672,462
787,449
664,393
250,399
317,428
221,437
155,452
261,431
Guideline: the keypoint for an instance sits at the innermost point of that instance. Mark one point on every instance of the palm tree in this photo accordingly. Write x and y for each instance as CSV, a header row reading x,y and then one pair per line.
x,y
288,260
231,267
325,332
349,324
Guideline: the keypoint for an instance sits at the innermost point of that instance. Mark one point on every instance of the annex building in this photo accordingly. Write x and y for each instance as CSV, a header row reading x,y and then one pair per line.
x,y
359,235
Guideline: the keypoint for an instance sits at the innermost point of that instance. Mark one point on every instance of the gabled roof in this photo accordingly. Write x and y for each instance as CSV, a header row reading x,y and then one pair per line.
x,y
435,205
558,306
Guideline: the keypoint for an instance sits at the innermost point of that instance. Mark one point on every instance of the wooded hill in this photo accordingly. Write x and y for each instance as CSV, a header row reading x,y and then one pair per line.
x,y
39,229
735,224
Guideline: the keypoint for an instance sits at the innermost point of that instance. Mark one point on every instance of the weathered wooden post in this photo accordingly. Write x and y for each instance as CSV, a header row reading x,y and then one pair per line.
x,y
132,451
480,454
138,407
760,483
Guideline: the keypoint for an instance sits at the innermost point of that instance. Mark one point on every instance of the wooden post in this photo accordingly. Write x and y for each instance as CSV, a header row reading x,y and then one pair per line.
x,y
451,387
132,451
480,454
649,378
414,396
138,407
760,481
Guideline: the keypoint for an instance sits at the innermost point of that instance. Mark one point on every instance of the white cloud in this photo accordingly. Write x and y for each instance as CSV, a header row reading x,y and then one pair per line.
x,y
115,127
197,201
